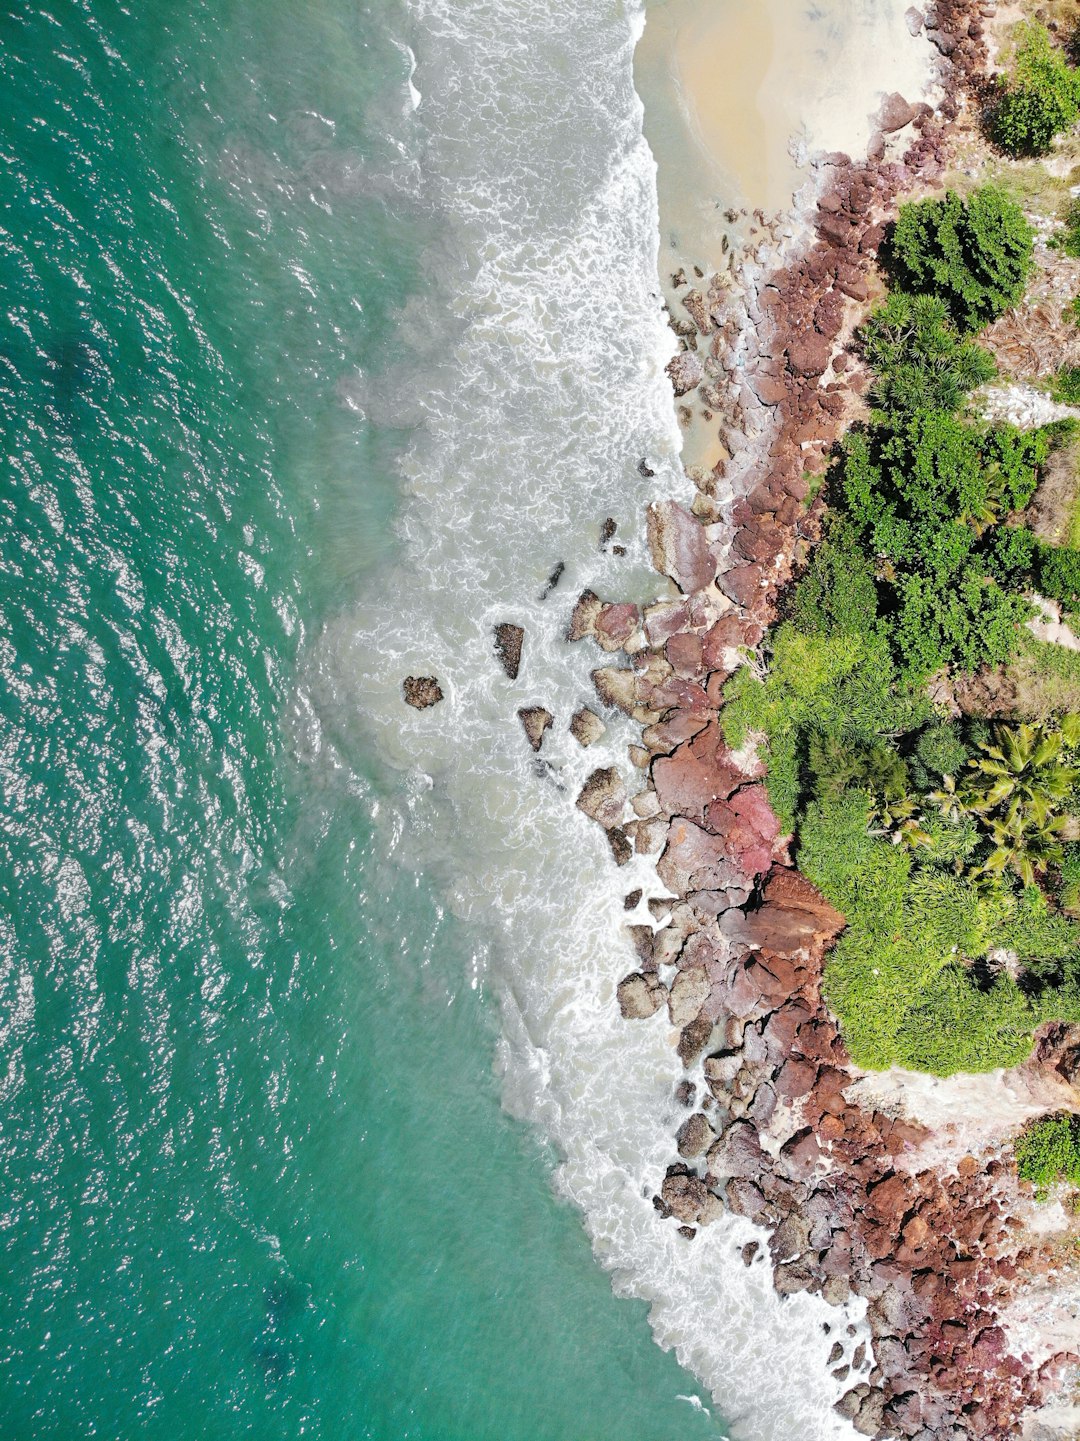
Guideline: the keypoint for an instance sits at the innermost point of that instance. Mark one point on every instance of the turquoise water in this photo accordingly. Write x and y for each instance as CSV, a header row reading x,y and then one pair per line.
x,y
255,1175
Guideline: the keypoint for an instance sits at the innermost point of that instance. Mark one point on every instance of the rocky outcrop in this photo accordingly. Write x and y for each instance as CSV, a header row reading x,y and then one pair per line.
x,y
421,691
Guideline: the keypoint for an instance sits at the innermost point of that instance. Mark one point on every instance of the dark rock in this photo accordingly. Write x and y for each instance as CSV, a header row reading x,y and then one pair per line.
x,y
749,1251
553,580
421,691
508,639
586,613
632,900
687,1232
620,845
535,721
685,1092
693,1039
607,531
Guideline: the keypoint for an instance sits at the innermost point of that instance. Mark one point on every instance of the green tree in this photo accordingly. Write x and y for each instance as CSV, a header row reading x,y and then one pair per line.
x,y
973,253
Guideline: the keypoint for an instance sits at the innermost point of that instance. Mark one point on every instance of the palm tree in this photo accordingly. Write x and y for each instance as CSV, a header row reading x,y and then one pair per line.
x,y
1024,766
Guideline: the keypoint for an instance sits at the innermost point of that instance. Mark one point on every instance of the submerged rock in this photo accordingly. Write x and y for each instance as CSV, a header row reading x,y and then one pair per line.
x,y
508,640
421,691
535,721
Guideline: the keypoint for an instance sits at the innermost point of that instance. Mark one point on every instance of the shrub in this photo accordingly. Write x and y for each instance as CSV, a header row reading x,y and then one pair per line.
x,y
1011,554
975,254
902,994
1067,385
1048,1150
1068,238
838,595
941,750
1057,573
1040,99
921,361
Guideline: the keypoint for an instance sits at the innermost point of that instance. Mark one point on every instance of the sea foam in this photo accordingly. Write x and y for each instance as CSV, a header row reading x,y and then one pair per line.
x,y
533,377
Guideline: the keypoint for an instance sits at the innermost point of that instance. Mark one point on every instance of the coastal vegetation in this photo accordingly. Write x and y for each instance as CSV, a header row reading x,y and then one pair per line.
x,y
1048,1150
1040,98
948,842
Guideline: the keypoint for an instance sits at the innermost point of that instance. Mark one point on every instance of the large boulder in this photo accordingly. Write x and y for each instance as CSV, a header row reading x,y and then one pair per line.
x,y
694,860
679,546
895,113
737,1153
640,995
603,797
689,992
695,1136
685,1196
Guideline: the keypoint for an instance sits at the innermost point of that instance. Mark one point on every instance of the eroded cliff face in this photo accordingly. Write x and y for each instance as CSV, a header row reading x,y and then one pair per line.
x,y
892,1189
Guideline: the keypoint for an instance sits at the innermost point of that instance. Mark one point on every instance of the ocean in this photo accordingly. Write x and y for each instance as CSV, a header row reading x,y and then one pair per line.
x,y
331,331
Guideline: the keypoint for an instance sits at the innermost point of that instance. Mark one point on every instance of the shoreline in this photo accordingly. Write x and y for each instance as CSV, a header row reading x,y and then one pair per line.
x,y
829,1160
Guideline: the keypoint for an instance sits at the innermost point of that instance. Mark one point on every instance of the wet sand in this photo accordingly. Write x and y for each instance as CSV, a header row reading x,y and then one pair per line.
x,y
738,94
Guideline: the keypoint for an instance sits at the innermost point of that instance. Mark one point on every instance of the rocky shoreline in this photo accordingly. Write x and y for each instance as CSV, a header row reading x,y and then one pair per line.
x,y
774,1131
924,1227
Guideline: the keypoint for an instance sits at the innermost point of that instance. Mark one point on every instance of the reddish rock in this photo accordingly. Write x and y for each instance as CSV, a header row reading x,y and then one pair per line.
x,y
679,546
699,772
683,653
895,113
616,624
